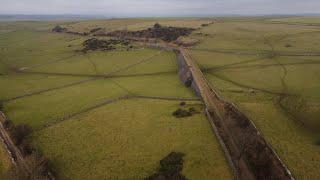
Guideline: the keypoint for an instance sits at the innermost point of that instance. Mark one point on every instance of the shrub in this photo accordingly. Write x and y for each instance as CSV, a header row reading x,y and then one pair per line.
x,y
20,132
189,81
180,113
1,106
157,26
8,124
25,148
288,45
104,45
172,163
170,167
59,29
183,103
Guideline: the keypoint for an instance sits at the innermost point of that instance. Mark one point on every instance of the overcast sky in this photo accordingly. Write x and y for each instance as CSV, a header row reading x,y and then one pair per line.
x,y
159,7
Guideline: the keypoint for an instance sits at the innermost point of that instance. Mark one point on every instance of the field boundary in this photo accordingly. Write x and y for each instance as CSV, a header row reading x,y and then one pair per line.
x,y
96,75
110,101
82,81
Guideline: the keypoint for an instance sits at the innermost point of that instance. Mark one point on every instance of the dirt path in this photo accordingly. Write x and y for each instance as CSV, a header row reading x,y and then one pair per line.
x,y
249,154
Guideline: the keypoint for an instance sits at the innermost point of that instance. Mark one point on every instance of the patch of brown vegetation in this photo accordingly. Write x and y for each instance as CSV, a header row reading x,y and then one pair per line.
x,y
94,44
164,33
59,29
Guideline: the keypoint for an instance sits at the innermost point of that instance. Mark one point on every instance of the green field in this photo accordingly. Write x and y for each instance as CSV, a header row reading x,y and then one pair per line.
x,y
70,99
268,66
128,138
267,70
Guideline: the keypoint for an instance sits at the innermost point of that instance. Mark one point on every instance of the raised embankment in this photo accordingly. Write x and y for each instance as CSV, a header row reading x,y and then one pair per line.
x,y
15,154
250,156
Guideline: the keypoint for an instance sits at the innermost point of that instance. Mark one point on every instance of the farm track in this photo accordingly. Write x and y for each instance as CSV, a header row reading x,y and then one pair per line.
x,y
250,155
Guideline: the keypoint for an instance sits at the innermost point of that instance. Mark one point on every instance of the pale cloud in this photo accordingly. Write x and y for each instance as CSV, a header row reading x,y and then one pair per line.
x,y
158,7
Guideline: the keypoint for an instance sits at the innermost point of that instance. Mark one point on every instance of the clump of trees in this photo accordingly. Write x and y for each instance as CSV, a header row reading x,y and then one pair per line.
x,y
181,113
59,29
170,167
158,31
94,44
188,82
19,134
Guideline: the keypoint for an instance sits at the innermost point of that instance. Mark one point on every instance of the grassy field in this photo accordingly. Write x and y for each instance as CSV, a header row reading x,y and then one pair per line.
x,y
76,123
307,20
269,67
109,62
20,84
255,37
128,138
265,69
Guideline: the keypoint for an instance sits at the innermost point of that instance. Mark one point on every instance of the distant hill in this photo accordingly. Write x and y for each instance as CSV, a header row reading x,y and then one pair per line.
x,y
21,17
